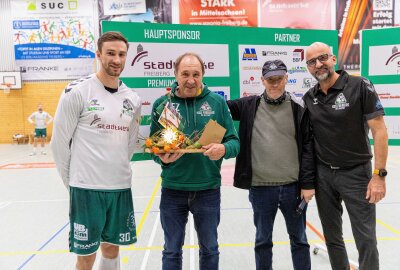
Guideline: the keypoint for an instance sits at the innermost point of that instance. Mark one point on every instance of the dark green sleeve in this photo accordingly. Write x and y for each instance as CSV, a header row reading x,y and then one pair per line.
x,y
154,126
231,139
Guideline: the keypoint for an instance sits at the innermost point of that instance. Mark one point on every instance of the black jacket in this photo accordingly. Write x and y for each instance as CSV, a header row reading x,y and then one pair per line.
x,y
244,110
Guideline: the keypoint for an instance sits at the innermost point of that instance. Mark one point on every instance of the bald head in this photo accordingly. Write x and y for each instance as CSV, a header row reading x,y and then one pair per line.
x,y
317,46
321,62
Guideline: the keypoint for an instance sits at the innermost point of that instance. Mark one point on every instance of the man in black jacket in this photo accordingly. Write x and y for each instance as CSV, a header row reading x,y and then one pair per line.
x,y
276,163
343,109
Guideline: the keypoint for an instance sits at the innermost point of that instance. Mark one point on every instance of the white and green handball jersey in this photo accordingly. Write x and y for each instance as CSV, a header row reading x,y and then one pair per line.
x,y
40,118
94,135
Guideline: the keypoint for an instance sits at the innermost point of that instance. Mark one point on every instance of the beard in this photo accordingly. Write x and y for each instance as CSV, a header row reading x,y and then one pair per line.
x,y
324,76
111,70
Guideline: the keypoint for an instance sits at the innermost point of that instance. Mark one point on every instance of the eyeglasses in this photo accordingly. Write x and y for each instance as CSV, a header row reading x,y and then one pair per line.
x,y
322,58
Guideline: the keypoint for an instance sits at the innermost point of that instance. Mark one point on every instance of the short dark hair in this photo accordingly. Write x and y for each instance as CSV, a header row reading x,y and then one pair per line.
x,y
180,58
111,36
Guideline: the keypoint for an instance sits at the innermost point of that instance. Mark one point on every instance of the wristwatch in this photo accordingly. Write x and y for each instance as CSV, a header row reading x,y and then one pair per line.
x,y
380,172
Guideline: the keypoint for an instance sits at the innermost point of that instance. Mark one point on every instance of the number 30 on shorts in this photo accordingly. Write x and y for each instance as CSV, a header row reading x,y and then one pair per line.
x,y
124,237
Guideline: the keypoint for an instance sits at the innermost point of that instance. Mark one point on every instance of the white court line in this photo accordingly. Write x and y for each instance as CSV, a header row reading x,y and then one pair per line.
x,y
192,257
4,204
150,243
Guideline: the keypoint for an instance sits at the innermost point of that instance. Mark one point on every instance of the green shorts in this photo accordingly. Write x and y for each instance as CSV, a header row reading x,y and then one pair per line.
x,y
40,133
100,216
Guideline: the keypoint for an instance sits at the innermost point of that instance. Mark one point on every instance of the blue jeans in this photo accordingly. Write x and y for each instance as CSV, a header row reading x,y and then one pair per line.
x,y
174,210
265,201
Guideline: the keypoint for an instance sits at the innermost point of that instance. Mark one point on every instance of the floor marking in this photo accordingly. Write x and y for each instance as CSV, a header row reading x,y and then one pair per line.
x,y
191,241
146,211
224,245
42,247
125,259
390,228
148,206
35,165
312,228
353,266
150,243
4,204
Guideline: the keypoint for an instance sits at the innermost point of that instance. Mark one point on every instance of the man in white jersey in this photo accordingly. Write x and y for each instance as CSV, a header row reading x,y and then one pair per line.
x,y
40,120
95,131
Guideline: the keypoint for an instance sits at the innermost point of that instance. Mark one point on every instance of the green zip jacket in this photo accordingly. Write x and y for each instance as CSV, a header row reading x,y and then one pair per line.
x,y
193,172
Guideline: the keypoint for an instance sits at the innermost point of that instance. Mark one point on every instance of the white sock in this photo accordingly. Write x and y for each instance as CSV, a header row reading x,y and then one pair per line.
x,y
109,264
34,150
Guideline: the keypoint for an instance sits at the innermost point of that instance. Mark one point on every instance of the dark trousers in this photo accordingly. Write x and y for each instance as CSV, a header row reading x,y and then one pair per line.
x,y
350,186
266,200
205,206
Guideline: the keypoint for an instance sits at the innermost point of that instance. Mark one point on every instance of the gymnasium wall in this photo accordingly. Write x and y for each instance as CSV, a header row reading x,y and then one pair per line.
x,y
19,104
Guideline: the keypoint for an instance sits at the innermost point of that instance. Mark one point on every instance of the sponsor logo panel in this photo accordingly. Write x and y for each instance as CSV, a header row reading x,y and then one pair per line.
x,y
384,60
150,59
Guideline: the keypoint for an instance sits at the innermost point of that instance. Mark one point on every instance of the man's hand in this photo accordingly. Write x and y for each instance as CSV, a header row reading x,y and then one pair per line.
x,y
307,194
169,157
215,151
376,189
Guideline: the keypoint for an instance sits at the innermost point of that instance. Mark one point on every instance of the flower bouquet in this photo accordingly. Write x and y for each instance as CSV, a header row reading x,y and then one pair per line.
x,y
172,141
170,138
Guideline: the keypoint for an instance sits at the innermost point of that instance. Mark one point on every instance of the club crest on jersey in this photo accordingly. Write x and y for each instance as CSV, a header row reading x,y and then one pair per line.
x,y
127,108
340,102
205,109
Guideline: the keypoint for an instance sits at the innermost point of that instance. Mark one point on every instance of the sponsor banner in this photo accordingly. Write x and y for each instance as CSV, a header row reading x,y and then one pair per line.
x,y
353,16
253,57
223,91
393,126
397,13
150,59
219,12
155,11
393,129
383,13
389,94
386,60
296,14
381,64
232,67
150,95
119,7
53,30
69,69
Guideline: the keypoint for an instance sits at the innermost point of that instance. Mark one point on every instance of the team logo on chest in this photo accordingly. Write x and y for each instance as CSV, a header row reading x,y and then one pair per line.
x,y
94,105
340,102
127,108
205,109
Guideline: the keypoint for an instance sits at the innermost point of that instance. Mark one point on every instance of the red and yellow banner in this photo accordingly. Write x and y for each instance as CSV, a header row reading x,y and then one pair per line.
x,y
218,12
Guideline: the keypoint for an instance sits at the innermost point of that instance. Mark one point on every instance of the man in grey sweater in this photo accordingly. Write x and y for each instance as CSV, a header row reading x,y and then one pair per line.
x,y
276,163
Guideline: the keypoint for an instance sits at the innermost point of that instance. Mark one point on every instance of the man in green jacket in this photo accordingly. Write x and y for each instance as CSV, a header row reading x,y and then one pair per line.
x,y
191,182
